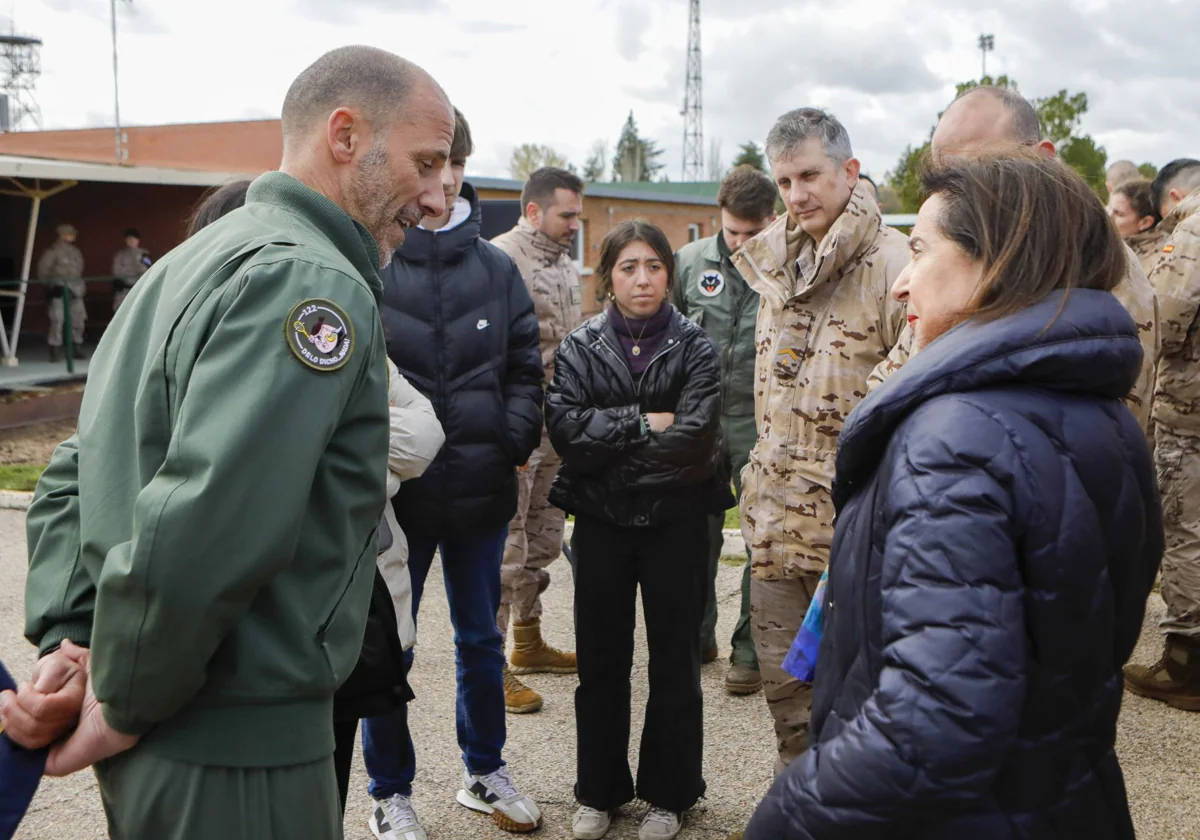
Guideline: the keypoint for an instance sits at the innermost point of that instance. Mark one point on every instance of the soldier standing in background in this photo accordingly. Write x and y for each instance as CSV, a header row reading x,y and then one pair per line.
x,y
129,263
62,269
1175,678
551,205
711,292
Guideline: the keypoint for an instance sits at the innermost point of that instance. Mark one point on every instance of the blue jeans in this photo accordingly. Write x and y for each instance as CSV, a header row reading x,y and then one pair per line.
x,y
471,569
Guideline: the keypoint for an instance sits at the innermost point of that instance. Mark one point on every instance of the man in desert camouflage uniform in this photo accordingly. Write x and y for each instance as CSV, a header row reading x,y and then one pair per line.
x,y
826,319
129,263
988,120
62,269
552,203
1175,678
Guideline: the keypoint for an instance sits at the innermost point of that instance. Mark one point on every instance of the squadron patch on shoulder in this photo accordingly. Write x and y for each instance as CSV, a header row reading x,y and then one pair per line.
x,y
711,283
1168,249
320,335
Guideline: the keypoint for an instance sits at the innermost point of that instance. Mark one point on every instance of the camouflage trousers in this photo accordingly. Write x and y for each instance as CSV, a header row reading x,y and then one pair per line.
x,y
777,609
1177,458
54,337
535,538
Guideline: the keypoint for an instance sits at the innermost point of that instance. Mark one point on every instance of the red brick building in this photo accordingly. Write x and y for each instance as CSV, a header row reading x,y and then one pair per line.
x,y
102,210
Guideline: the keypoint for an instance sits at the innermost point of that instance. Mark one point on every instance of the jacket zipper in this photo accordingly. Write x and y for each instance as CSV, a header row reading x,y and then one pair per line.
x,y
624,366
650,364
733,333
621,364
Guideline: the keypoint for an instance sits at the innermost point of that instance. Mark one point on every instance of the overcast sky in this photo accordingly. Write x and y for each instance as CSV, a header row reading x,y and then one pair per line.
x,y
567,72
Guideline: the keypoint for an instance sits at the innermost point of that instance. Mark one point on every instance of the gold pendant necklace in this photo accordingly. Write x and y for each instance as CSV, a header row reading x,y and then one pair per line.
x,y
637,351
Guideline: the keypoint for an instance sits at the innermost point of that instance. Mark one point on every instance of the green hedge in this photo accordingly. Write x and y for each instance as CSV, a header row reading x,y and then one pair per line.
x,y
20,476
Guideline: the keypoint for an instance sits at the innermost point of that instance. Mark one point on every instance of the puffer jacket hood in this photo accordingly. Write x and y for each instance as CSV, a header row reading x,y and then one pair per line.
x,y
998,532
1084,349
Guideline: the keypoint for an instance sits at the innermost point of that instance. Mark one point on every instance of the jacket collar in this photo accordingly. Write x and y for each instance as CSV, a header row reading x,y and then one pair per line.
x,y
766,266
1188,207
542,244
348,236
1092,347
600,331
421,246
710,249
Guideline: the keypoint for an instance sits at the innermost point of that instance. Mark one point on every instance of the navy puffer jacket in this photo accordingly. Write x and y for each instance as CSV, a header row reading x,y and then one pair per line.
x,y
460,327
998,533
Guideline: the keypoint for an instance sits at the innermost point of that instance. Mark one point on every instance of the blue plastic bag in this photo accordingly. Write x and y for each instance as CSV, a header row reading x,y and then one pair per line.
x,y
801,661
20,772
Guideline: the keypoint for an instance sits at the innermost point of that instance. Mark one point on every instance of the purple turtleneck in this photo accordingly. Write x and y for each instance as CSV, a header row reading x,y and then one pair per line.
x,y
646,333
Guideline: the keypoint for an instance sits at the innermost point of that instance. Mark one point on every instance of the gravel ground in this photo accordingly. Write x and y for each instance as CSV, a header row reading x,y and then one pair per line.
x,y
1159,746
33,444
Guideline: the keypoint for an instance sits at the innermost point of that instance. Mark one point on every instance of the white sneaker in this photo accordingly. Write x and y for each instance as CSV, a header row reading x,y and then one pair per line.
x,y
395,819
660,824
495,794
590,824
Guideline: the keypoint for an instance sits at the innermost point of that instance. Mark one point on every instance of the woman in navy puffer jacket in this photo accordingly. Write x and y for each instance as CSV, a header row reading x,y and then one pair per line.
x,y
998,533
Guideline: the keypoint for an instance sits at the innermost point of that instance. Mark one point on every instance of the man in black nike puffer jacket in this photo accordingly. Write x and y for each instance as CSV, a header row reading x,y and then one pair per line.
x,y
460,327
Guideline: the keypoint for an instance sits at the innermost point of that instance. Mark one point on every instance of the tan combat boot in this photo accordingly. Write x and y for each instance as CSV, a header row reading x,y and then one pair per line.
x,y
531,655
1174,679
519,699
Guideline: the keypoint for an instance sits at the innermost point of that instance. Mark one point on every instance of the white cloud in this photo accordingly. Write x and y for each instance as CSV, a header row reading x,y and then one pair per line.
x,y
568,74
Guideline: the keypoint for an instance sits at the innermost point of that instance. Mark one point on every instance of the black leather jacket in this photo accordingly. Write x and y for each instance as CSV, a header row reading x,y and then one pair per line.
x,y
611,468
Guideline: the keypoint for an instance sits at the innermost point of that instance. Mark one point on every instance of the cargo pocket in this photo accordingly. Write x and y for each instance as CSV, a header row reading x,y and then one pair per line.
x,y
1168,464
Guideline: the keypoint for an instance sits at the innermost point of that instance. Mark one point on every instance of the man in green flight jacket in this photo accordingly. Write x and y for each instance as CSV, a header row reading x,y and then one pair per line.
x,y
709,290
206,541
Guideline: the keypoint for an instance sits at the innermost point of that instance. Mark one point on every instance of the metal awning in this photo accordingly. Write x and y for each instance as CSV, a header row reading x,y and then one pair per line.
x,y
50,169
24,177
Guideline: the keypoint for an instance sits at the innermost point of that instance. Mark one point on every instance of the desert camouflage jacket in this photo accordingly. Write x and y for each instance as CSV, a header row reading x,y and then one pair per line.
x,y
1176,281
825,320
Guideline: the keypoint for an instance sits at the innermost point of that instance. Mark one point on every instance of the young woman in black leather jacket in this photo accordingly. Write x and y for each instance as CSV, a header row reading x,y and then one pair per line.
x,y
634,411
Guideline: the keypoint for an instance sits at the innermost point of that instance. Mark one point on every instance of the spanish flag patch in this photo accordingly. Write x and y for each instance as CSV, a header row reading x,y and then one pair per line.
x,y
1168,249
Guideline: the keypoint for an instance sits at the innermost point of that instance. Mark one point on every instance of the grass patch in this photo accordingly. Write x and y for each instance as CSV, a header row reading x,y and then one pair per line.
x,y
732,520
20,476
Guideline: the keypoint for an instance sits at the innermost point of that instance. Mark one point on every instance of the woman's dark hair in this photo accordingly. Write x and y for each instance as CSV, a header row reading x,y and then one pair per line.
x,y
1140,199
1033,223
638,230
216,203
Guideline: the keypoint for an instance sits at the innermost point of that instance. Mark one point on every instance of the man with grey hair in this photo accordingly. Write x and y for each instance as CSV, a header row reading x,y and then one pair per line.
x,y
203,548
1119,173
991,120
826,318
1175,678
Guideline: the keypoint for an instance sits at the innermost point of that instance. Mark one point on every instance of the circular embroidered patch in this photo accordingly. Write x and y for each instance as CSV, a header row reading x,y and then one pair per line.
x,y
710,283
319,333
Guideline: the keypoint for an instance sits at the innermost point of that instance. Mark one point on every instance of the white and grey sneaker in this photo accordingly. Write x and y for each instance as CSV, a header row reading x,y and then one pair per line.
x,y
496,795
660,824
590,824
395,819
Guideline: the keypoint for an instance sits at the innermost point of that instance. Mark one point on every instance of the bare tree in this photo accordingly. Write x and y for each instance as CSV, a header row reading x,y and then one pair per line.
x,y
530,157
597,163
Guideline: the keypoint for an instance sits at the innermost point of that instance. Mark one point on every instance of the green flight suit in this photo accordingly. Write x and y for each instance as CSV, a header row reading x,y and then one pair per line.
x,y
711,292
210,530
